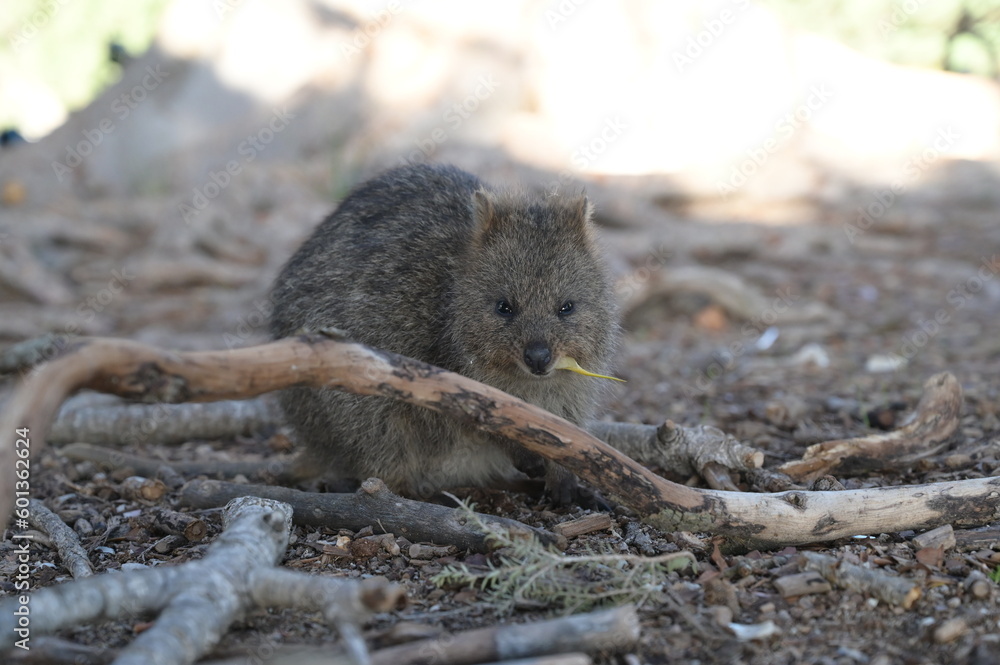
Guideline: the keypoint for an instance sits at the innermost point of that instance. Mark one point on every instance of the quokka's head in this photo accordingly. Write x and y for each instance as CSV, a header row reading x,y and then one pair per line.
x,y
532,289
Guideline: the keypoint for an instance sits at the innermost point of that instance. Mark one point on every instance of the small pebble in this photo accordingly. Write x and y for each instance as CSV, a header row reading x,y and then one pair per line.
x,y
721,614
812,355
950,630
879,363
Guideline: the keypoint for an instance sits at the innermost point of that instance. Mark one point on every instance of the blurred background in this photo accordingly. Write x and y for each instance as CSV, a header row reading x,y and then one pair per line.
x,y
781,184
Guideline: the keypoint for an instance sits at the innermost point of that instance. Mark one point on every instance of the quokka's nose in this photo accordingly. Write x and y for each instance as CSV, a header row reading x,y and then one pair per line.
x,y
537,357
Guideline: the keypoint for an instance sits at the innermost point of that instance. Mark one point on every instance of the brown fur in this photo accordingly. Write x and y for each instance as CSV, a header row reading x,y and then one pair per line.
x,y
416,262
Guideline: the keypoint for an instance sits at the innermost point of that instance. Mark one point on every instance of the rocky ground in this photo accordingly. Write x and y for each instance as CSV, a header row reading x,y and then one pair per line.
x,y
782,324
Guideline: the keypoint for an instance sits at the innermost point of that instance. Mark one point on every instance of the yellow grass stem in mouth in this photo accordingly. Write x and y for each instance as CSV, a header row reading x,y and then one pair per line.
x,y
570,363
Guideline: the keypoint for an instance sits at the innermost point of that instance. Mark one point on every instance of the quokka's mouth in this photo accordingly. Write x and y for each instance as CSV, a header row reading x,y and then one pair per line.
x,y
545,374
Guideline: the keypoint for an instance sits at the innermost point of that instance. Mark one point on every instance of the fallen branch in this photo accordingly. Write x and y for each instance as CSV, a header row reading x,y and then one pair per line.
x,y
22,272
313,656
74,558
138,371
199,600
48,650
605,631
168,424
552,642
984,538
273,469
700,450
704,450
887,588
927,431
684,450
372,505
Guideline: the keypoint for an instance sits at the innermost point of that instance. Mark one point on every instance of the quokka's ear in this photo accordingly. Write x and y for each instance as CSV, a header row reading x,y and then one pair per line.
x,y
482,206
582,209
579,215
484,213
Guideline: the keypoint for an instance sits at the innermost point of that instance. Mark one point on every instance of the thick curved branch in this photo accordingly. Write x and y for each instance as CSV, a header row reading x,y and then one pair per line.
x,y
138,371
926,431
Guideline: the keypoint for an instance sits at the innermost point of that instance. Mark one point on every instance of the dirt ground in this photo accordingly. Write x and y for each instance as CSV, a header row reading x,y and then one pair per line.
x,y
865,310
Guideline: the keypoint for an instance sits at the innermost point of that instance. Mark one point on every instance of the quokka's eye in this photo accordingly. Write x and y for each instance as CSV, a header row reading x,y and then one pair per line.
x,y
504,308
566,309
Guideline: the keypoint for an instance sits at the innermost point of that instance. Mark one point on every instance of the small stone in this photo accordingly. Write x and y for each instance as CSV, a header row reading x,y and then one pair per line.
x,y
466,596
757,631
957,461
83,527
978,585
713,318
13,193
800,584
879,364
950,630
421,551
722,615
811,355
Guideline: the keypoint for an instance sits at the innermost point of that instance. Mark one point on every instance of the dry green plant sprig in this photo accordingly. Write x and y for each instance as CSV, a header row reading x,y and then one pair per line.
x,y
532,575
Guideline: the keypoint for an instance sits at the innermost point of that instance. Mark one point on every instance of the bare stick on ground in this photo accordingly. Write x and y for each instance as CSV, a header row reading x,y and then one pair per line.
x,y
705,450
685,450
885,587
199,600
604,631
927,431
74,558
273,469
373,505
48,650
138,371
124,424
